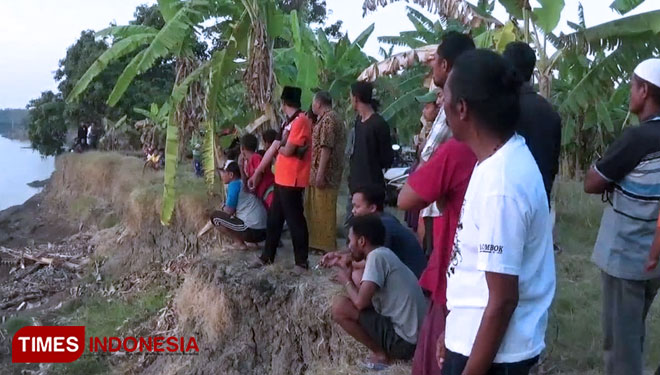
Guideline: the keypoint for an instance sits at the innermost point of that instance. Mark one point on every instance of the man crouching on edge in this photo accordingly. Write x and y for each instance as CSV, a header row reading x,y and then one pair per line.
x,y
384,312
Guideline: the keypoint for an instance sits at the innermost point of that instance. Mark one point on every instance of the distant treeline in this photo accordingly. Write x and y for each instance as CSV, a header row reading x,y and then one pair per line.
x,y
13,122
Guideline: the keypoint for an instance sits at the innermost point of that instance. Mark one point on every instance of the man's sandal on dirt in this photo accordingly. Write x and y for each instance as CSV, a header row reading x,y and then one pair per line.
x,y
257,262
374,366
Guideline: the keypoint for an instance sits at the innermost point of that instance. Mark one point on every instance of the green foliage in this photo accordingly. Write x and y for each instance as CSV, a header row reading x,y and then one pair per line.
x,y
93,64
514,7
47,126
610,35
624,6
119,49
397,95
169,39
548,15
426,31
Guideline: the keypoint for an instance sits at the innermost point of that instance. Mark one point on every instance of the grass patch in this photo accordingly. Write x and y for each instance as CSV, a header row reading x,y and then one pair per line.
x,y
109,221
12,325
105,317
574,333
82,207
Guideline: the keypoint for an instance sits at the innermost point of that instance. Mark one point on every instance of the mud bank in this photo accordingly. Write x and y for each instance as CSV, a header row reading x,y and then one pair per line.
x,y
246,322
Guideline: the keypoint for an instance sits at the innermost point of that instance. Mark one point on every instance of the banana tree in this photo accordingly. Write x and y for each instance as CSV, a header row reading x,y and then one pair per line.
x,y
313,62
427,32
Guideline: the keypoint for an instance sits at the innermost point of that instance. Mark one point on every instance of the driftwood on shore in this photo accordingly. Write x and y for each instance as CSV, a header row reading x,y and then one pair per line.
x,y
55,260
27,287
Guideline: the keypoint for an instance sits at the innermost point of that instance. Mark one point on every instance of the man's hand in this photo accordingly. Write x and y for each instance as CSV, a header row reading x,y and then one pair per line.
x,y
254,181
319,181
440,351
343,275
329,259
651,264
300,151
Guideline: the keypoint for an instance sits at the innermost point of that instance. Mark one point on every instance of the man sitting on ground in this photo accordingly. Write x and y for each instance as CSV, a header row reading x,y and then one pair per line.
x,y
383,312
249,162
243,217
401,240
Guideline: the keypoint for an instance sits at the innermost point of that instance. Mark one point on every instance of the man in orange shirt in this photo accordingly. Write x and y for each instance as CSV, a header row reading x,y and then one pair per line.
x,y
292,168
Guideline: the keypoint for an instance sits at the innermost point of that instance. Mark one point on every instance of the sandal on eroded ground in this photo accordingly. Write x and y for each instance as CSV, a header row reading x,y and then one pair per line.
x,y
374,366
235,247
257,262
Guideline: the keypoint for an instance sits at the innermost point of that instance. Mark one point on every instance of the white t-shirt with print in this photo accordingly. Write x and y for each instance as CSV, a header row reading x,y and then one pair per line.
x,y
504,228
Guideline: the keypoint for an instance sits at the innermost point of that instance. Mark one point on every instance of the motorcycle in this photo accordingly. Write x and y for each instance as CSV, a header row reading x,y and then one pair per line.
x,y
397,175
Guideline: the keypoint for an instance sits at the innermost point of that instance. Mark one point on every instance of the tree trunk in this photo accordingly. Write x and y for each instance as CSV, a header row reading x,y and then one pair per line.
x,y
545,85
191,111
259,77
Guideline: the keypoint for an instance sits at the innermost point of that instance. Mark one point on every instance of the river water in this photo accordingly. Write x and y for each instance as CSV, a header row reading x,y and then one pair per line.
x,y
20,165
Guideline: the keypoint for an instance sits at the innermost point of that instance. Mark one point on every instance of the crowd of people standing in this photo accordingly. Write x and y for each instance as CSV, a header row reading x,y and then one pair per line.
x,y
472,295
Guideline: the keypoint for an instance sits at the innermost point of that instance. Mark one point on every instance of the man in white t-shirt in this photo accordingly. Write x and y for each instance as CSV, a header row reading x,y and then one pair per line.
x,y
501,278
386,310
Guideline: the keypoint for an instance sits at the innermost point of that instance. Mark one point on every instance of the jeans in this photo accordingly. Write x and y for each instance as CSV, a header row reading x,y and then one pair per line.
x,y
455,364
287,206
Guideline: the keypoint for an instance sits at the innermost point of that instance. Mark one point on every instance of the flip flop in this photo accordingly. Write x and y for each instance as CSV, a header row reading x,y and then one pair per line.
x,y
374,366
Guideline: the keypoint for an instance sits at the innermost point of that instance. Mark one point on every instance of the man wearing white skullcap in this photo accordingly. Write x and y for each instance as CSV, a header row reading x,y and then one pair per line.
x,y
629,176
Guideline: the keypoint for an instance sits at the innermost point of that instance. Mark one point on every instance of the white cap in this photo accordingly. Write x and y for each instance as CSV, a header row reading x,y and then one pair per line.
x,y
649,70
224,167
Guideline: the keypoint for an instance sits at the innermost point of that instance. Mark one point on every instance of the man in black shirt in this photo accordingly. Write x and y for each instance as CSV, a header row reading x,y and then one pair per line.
x,y
538,123
371,150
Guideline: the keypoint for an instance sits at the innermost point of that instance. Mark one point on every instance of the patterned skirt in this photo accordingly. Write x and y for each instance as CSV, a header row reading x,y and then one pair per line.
x,y
321,215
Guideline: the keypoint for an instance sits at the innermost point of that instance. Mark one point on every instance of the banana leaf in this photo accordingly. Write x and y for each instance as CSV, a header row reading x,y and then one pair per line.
x,y
171,164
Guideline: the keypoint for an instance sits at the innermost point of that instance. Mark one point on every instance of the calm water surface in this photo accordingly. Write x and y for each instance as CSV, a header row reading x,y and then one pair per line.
x,y
20,165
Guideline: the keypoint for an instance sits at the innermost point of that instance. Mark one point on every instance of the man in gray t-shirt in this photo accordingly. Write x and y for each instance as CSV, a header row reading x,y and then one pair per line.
x,y
386,310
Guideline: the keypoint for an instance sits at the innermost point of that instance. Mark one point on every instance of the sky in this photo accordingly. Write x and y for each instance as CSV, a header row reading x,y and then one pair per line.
x,y
34,34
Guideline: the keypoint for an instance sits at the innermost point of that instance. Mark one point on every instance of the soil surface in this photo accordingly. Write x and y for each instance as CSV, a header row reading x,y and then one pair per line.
x,y
29,224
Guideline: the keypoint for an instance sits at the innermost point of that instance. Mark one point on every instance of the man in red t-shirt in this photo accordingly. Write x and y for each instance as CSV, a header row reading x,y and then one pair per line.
x,y
250,161
443,180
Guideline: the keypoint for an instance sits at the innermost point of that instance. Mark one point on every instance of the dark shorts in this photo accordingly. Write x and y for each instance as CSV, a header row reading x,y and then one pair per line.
x,y
381,330
234,224
455,364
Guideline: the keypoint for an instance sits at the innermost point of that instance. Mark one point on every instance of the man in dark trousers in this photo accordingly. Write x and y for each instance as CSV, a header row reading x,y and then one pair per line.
x,y
629,177
371,147
538,123
292,168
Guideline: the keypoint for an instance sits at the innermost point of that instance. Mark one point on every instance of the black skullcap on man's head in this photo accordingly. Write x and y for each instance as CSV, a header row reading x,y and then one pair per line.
x,y
291,96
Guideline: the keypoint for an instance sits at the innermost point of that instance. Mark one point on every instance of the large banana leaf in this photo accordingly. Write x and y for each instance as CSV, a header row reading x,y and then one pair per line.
x,y
401,41
403,102
514,7
307,78
126,31
610,34
425,34
548,15
615,67
171,164
460,10
169,8
624,6
118,50
208,154
419,16
168,39
503,36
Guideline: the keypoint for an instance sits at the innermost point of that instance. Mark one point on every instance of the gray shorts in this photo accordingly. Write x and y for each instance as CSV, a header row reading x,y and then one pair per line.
x,y
381,330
